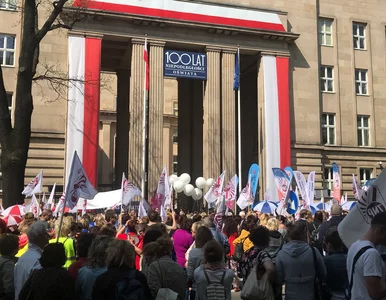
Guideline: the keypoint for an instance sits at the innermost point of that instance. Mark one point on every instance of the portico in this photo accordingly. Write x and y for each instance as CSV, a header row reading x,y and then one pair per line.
x,y
207,109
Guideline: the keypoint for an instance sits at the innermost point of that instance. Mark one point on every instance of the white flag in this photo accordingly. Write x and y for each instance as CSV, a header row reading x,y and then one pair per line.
x,y
163,214
141,210
311,187
34,206
44,200
84,207
246,196
168,189
302,185
78,184
51,199
216,189
129,190
35,186
59,205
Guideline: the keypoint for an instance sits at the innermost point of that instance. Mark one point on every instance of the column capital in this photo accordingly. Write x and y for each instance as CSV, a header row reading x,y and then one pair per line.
x,y
212,49
229,50
157,43
85,34
138,41
275,53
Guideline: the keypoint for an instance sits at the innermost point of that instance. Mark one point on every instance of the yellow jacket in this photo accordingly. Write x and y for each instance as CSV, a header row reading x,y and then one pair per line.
x,y
22,251
68,244
243,236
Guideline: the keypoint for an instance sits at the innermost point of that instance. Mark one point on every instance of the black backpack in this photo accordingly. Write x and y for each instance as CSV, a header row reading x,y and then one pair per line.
x,y
129,288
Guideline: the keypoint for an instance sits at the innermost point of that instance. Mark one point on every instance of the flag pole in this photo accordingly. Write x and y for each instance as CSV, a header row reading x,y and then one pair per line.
x,y
239,122
144,123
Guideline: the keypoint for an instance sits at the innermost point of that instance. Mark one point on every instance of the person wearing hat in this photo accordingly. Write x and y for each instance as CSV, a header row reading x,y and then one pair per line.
x,y
331,225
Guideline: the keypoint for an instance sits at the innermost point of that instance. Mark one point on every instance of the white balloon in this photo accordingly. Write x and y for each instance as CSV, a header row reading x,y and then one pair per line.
x,y
197,194
178,186
188,190
209,183
173,178
185,178
200,182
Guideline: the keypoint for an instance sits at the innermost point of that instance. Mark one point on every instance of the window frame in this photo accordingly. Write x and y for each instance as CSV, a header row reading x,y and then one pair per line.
x,y
323,32
175,108
357,37
175,164
324,79
362,128
7,5
5,50
328,183
327,126
363,181
175,136
360,82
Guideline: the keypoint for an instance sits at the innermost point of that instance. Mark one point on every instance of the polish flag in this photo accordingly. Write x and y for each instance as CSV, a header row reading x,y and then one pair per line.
x,y
146,59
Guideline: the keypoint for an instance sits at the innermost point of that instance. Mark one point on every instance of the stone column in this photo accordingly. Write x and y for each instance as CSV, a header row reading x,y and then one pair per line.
x,y
156,110
136,112
122,139
211,136
228,113
106,159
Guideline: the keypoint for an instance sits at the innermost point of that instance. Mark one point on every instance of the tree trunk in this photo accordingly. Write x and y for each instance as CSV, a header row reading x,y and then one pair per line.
x,y
13,162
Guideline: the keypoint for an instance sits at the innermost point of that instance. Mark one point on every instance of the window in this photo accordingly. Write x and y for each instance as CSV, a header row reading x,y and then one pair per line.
x,y
175,164
361,82
327,79
327,178
175,109
365,174
9,99
175,135
359,35
363,131
325,32
328,129
7,50
8,4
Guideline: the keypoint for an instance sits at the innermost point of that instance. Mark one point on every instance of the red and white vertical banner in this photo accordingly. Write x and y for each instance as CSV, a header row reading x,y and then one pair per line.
x,y
277,115
84,61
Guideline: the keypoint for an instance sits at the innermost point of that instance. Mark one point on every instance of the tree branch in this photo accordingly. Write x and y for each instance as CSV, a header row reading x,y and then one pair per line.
x,y
58,8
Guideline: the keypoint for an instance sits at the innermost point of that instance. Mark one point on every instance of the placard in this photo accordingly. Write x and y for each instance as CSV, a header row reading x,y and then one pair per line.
x,y
183,64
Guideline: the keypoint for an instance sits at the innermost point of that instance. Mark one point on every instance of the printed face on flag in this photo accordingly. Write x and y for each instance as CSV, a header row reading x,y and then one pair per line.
x,y
79,184
216,187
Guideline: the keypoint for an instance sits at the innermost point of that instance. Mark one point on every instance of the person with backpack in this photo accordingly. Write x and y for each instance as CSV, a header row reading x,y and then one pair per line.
x,y
213,280
121,281
332,225
9,245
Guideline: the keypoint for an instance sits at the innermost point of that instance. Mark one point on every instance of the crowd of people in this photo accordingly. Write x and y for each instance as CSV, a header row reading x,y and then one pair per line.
x,y
203,256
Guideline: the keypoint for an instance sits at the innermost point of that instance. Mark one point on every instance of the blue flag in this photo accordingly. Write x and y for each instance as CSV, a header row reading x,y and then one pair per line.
x,y
236,81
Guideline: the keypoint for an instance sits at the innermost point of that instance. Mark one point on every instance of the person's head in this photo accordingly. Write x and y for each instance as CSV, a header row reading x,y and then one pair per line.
x,y
203,236
259,236
230,227
97,252
108,230
145,220
319,216
99,220
37,235
9,244
94,230
306,215
84,243
213,252
120,253
336,210
29,217
66,226
264,219
250,223
297,231
273,224
46,215
333,242
85,223
161,227
209,221
184,223
141,229
378,229
151,235
23,227
195,227
153,216
111,216
53,256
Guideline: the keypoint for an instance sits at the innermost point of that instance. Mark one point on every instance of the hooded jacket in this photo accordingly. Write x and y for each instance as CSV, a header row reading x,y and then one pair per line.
x,y
275,244
295,267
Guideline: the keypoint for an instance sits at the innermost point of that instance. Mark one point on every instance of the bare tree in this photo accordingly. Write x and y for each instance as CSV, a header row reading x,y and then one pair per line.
x,y
15,140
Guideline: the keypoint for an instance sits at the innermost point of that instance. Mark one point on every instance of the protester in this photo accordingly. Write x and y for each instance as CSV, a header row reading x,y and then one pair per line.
x,y
46,216
217,235
196,257
295,264
335,263
162,271
195,227
83,245
182,240
96,265
51,281
213,271
120,272
275,238
247,226
332,225
37,240
365,268
231,232
9,245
